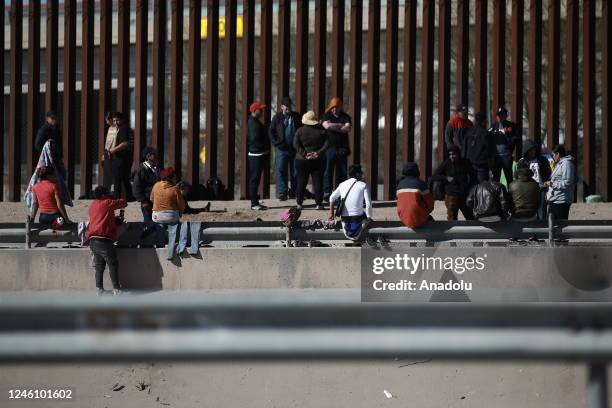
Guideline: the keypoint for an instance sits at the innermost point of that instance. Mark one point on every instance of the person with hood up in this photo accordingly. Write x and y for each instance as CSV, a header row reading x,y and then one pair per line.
x,y
540,168
525,194
414,200
562,184
457,127
458,175
338,125
476,147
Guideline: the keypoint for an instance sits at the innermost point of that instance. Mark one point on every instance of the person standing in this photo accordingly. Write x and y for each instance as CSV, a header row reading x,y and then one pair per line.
x,y
353,194
102,231
50,131
457,127
562,184
258,149
109,143
310,143
540,168
120,152
144,179
282,130
414,200
458,175
506,140
338,125
476,147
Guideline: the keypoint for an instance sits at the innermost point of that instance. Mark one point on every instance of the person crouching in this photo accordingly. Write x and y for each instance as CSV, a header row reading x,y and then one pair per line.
x,y
488,201
414,200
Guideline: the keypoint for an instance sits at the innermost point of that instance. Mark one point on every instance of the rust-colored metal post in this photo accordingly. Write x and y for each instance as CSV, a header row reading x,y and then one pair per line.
x,y
15,130
160,41
444,25
409,81
355,73
606,137
480,69
140,92
212,89
552,89
371,133
463,51
588,97
51,55
425,148
390,132
516,65
499,53
123,58
571,77
337,51
248,85
535,71
229,98
193,92
176,88
265,84
2,134
284,48
104,96
87,103
33,116
320,36
69,123
301,57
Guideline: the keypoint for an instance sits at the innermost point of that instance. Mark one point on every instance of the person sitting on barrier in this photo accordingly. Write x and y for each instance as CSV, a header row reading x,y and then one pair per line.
x,y
458,175
347,202
540,168
102,232
488,201
525,194
48,199
562,184
143,181
414,200
168,202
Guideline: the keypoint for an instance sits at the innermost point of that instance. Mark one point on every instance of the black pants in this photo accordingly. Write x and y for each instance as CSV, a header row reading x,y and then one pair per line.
x,y
121,177
104,253
304,169
560,211
502,163
256,165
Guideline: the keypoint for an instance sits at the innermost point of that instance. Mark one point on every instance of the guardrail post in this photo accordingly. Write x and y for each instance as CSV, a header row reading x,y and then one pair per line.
x,y
598,385
551,226
288,237
28,226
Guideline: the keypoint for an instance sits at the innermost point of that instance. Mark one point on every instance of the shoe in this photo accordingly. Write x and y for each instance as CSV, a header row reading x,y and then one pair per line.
x,y
299,207
282,198
118,292
320,207
259,207
101,292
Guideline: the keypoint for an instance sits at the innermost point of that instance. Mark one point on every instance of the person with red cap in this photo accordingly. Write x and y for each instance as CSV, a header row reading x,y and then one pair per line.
x,y
338,125
258,145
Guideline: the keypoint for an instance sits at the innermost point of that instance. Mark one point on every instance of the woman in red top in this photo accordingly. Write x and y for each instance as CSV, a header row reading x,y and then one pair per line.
x,y
48,200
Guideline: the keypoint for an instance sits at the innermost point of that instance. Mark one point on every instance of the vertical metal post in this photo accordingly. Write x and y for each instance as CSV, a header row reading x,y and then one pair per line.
x,y
480,69
371,145
598,385
320,36
68,121
229,100
248,67
160,41
265,84
463,50
301,57
606,137
176,88
87,122
551,230
355,73
588,97
284,48
28,232
2,134
427,57
212,88
516,65
571,77
140,91
15,131
535,71
337,49
409,80
390,132
104,96
193,92
51,53
499,53
123,58
444,25
552,88
33,117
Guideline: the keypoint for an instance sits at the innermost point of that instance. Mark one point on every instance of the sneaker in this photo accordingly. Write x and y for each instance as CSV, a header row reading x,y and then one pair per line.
x,y
299,207
282,198
100,292
320,207
259,207
118,292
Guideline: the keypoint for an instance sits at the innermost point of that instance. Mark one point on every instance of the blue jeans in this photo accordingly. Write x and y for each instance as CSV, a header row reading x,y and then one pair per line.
x,y
256,164
47,219
335,167
189,230
171,238
285,171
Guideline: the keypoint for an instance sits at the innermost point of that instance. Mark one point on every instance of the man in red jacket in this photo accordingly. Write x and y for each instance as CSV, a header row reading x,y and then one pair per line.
x,y
102,231
414,201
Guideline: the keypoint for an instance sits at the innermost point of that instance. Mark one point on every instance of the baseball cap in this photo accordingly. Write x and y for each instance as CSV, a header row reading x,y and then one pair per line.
x,y
256,105
461,108
51,114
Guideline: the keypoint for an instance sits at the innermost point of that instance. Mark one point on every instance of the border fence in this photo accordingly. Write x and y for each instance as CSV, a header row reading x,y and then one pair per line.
x,y
400,66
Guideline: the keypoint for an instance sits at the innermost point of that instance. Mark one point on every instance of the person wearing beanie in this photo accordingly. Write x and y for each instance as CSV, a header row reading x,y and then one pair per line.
x,y
258,145
282,130
476,147
507,142
338,125
414,200
458,177
457,126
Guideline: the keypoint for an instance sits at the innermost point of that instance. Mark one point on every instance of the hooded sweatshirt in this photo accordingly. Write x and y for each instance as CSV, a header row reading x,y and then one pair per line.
x,y
414,200
563,181
525,194
461,171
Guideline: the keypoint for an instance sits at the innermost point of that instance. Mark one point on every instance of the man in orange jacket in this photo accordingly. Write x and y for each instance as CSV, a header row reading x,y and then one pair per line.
x,y
414,200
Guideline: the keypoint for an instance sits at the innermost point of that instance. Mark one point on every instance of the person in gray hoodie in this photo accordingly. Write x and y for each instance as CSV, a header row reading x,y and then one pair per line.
x,y
562,184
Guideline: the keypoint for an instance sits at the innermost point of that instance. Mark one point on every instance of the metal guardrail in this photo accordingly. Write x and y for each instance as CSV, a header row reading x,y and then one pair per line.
x,y
324,324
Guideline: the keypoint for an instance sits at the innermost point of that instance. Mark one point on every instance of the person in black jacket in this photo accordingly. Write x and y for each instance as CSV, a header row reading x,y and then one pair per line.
x,y
121,153
144,179
476,147
49,131
488,201
540,167
458,175
258,149
506,141
282,130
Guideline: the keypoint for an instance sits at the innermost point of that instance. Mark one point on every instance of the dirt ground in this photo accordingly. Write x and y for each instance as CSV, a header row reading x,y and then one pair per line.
x,y
240,211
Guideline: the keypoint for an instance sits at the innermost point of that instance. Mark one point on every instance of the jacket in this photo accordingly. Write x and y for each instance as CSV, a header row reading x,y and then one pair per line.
x,y
277,130
525,194
476,147
488,199
46,132
505,137
563,181
455,130
257,140
543,166
143,181
414,201
102,222
462,173
166,196
310,139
